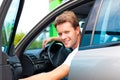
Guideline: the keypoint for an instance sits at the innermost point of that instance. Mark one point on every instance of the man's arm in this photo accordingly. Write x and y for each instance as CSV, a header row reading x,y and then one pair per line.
x,y
56,74
46,41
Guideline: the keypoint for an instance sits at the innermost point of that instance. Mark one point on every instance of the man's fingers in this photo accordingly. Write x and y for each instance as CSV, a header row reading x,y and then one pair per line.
x,y
44,43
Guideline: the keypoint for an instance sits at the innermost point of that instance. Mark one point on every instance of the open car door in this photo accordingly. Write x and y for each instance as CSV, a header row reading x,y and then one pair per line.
x,y
10,11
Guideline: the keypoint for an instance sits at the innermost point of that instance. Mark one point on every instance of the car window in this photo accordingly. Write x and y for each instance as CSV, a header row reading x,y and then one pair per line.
x,y
1,2
50,31
8,25
108,25
37,43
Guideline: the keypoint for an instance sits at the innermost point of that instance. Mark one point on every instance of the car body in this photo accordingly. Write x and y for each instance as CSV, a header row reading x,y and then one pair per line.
x,y
98,56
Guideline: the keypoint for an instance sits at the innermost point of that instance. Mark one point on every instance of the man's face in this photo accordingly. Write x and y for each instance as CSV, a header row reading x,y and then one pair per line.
x,y
68,35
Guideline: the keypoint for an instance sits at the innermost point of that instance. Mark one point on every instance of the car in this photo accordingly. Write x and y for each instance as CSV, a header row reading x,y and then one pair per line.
x,y
98,56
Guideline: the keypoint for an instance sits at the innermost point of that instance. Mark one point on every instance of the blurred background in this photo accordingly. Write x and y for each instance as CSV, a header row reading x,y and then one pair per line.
x,y
29,17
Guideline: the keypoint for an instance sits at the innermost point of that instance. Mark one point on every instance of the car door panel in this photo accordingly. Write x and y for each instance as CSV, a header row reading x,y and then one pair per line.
x,y
5,70
96,64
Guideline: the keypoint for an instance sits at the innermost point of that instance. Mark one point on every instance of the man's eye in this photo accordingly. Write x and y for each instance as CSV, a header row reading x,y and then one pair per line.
x,y
66,32
59,34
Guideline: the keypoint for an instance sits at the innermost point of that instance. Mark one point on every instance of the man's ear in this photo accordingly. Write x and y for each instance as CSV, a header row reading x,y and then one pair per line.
x,y
78,29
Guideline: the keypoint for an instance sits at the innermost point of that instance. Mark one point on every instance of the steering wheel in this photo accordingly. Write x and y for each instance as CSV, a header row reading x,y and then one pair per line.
x,y
57,53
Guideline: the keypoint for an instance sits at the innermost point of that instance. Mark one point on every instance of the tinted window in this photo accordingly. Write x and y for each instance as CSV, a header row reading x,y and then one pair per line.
x,y
108,25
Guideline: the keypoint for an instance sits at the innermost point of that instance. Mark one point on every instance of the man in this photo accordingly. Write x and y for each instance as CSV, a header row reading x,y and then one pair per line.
x,y
69,33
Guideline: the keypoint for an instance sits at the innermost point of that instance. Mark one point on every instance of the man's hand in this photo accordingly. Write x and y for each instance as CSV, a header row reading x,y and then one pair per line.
x,y
46,41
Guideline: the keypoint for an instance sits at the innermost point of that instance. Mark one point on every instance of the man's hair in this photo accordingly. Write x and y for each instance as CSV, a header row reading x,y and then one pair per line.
x,y
67,16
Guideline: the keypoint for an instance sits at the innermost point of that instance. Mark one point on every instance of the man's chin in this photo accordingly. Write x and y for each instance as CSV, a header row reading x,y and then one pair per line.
x,y
67,46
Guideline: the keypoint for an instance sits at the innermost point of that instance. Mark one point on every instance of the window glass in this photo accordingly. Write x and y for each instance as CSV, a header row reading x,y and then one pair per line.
x,y
46,33
1,2
37,43
50,31
108,25
9,25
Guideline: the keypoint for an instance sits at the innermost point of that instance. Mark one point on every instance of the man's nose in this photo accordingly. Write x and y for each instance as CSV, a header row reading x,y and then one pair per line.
x,y
63,36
